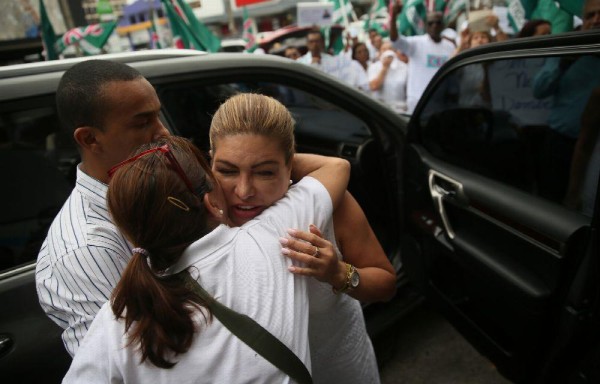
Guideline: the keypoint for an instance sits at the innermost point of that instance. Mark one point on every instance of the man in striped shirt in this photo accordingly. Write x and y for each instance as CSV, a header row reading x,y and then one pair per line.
x,y
111,109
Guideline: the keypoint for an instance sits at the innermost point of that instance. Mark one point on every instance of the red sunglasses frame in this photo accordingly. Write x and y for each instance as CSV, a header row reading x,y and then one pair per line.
x,y
168,154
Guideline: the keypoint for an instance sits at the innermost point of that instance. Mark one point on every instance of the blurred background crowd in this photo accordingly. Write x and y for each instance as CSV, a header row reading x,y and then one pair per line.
x,y
387,48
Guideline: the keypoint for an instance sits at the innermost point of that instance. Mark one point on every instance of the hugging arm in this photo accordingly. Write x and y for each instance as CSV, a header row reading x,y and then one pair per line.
x,y
332,172
355,236
359,246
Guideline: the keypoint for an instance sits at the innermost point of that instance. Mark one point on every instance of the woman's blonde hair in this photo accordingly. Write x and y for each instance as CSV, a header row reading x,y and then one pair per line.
x,y
254,114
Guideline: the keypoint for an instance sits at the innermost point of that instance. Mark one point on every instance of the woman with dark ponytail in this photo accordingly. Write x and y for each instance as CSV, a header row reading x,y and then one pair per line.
x,y
167,203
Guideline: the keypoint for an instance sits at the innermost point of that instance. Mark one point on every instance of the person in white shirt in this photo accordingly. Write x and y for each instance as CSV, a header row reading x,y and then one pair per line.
x,y
317,57
374,44
426,53
387,79
355,72
110,109
249,160
168,204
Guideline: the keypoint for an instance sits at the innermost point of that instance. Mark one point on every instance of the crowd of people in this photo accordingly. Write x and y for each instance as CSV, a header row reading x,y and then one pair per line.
x,y
260,231
396,69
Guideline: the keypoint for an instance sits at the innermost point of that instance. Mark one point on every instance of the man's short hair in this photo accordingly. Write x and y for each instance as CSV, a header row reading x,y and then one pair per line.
x,y
80,100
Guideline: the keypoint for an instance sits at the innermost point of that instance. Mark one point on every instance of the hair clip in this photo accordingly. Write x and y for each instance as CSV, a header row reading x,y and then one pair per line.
x,y
178,203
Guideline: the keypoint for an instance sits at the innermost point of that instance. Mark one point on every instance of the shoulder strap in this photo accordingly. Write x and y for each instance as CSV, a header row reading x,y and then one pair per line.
x,y
253,334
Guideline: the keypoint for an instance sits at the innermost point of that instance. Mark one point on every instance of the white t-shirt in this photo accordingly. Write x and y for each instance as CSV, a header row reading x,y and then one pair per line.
x,y
356,76
425,57
393,91
243,268
340,348
333,65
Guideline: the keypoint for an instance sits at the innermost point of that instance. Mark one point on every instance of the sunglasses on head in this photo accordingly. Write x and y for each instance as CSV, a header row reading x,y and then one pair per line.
x,y
164,149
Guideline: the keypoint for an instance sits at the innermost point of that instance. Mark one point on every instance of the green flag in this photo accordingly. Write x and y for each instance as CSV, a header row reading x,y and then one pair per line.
x,y
378,10
48,35
574,7
516,15
154,36
412,18
454,8
90,38
561,20
342,11
202,33
181,39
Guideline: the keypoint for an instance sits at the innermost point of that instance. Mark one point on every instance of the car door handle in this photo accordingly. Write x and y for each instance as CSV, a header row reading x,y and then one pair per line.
x,y
442,188
5,344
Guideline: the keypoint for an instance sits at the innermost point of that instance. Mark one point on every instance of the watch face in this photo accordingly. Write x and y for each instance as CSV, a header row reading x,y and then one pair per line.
x,y
354,279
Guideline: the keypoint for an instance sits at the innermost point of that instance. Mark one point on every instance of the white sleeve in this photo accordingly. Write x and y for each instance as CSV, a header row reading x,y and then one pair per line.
x,y
93,362
307,202
373,70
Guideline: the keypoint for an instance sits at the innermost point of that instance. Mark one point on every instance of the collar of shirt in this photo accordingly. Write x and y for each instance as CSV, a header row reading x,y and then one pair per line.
x,y
91,188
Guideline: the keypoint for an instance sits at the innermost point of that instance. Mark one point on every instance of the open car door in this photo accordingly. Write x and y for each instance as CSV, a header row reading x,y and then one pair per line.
x,y
496,237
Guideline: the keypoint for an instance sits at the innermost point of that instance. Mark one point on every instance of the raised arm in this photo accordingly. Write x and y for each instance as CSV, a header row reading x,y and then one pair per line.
x,y
332,172
396,9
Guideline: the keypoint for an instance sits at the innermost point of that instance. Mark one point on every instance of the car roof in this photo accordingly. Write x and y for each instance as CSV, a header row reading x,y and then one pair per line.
x,y
123,57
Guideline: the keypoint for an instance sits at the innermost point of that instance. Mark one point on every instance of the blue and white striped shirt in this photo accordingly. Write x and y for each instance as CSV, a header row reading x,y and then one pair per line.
x,y
81,260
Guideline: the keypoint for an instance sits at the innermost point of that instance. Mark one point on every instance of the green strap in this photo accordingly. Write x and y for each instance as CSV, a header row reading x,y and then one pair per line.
x,y
253,334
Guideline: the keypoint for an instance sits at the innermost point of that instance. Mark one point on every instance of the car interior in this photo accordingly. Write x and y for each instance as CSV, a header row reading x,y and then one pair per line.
x,y
34,145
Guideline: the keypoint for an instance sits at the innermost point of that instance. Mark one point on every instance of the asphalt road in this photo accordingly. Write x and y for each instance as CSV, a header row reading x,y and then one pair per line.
x,y
425,349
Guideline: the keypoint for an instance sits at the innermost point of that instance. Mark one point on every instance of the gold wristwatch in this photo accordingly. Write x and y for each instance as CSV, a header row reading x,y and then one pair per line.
x,y
352,280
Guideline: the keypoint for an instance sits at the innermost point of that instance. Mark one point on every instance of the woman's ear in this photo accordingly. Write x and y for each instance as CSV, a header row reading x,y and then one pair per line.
x,y
213,208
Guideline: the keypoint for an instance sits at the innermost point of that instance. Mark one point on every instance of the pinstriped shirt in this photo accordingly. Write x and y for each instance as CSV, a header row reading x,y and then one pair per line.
x,y
80,261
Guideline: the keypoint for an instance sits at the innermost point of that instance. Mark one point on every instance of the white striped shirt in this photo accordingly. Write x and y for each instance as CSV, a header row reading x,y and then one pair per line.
x,y
81,260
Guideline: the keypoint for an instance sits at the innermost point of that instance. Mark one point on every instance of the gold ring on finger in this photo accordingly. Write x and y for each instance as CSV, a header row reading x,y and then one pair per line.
x,y
316,254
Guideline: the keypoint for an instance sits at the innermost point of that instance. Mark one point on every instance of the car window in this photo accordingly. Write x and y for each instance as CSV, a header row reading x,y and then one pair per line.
x,y
522,122
38,165
190,108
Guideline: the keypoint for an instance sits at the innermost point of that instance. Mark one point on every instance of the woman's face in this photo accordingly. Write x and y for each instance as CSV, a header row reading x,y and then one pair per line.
x,y
479,38
252,172
362,54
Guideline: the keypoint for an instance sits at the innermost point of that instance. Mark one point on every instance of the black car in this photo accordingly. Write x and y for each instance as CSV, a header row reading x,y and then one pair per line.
x,y
452,192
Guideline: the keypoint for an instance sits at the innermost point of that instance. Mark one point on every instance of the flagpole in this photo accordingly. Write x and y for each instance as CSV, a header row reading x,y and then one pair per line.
x,y
344,14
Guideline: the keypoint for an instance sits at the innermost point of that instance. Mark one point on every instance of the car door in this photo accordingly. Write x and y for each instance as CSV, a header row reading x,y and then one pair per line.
x,y
491,240
38,164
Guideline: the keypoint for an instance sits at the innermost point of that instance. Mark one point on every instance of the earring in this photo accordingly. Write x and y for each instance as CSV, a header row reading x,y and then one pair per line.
x,y
291,182
221,212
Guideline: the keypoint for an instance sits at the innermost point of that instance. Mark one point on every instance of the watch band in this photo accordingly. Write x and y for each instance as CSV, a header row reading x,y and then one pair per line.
x,y
347,284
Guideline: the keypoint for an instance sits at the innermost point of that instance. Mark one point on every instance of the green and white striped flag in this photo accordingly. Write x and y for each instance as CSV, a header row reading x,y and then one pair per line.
x,y
343,12
412,18
454,8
